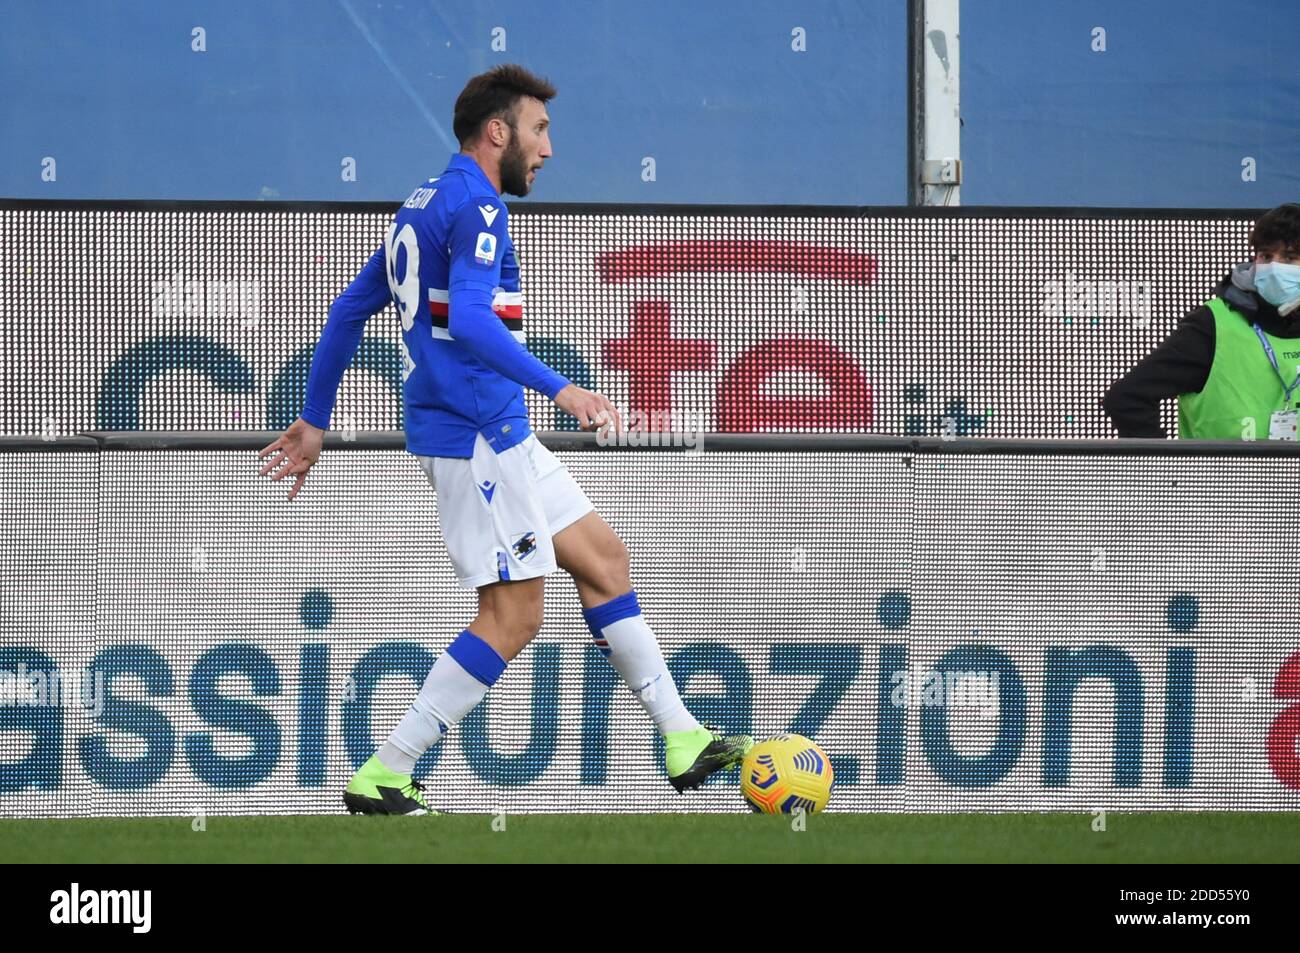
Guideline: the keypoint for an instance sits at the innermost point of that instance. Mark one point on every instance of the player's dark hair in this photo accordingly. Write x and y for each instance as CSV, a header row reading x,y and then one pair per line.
x,y
495,94
1278,228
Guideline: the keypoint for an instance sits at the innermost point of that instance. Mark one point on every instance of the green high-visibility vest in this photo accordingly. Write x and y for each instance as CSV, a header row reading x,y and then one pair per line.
x,y
1243,390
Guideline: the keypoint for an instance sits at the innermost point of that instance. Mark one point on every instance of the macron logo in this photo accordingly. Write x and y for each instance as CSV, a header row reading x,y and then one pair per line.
x,y
132,907
487,488
489,214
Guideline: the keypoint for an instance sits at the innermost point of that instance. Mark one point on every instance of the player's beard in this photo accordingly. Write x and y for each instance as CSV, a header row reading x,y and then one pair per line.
x,y
514,168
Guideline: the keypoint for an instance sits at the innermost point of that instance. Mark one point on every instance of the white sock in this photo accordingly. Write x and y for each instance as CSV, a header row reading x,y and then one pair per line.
x,y
458,680
622,636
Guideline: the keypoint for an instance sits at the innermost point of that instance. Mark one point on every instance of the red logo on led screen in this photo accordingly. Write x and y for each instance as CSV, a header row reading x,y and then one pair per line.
x,y
651,353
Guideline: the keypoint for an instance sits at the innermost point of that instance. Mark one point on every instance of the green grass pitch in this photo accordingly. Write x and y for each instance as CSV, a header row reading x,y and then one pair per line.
x,y
1012,838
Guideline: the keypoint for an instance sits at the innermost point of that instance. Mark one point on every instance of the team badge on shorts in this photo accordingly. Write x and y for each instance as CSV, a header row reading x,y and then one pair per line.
x,y
524,545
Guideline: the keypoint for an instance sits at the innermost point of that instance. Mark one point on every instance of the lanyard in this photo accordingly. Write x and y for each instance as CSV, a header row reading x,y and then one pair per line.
x,y
1272,359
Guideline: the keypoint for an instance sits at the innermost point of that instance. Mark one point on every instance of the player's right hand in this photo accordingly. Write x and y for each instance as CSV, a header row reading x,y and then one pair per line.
x,y
300,445
594,411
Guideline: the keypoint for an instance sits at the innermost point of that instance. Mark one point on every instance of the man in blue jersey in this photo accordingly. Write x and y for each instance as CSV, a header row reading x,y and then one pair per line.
x,y
510,511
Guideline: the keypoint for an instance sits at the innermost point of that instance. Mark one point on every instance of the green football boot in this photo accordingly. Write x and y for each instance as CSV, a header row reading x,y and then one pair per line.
x,y
374,789
694,755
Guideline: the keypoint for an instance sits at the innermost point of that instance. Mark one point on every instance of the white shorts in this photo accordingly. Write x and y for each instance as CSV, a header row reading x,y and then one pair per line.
x,y
500,511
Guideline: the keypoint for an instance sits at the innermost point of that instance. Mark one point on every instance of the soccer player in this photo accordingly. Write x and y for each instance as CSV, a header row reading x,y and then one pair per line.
x,y
510,510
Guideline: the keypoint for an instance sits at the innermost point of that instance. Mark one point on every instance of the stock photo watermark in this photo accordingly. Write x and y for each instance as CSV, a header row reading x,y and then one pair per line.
x,y
182,297
1070,297
58,688
977,690
656,428
78,905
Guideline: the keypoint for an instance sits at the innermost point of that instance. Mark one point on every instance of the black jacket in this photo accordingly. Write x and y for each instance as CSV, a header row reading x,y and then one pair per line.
x,y
1180,364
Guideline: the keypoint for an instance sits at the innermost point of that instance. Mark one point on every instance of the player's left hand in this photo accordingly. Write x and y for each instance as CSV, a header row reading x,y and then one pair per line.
x,y
300,448
593,411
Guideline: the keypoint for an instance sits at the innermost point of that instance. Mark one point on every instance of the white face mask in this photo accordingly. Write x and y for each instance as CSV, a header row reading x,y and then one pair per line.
x,y
1278,283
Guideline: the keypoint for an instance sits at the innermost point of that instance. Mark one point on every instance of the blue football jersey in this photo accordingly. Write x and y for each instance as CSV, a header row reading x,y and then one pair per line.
x,y
449,267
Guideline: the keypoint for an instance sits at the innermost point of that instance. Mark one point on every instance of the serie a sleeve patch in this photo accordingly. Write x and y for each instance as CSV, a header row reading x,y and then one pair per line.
x,y
485,248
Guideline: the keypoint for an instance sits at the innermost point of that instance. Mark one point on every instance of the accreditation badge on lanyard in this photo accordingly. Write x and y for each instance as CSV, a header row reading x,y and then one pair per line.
x,y
1282,423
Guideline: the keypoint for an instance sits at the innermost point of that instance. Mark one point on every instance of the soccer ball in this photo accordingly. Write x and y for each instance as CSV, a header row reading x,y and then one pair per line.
x,y
785,774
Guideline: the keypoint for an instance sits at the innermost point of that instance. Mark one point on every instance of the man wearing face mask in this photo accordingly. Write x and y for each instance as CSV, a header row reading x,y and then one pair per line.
x,y
1233,362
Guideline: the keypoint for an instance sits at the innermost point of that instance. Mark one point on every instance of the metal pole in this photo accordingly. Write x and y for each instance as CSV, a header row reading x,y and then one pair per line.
x,y
934,97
